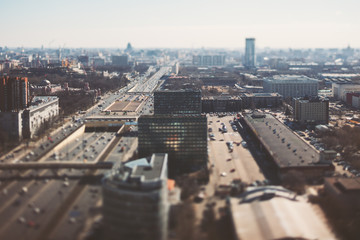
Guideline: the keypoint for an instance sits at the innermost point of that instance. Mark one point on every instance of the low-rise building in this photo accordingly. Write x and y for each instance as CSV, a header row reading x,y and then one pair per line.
x,y
292,86
311,111
135,200
341,89
285,149
42,111
223,103
261,100
344,193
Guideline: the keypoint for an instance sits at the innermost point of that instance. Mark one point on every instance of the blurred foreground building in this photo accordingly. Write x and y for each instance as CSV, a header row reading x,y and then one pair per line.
x,y
135,200
273,212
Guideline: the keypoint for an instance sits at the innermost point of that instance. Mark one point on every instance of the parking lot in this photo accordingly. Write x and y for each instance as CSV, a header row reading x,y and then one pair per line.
x,y
229,156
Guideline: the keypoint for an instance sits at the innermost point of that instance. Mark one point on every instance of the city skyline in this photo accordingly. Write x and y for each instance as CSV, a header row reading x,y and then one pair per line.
x,y
165,24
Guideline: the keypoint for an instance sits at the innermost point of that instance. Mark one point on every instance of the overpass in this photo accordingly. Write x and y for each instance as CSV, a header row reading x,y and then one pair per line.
x,y
56,165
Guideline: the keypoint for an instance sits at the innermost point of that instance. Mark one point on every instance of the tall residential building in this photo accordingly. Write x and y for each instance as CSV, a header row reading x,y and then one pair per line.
x,y
183,137
314,110
177,102
291,86
135,200
250,53
14,93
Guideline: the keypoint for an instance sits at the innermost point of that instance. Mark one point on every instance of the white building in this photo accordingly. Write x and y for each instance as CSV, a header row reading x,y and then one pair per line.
x,y
340,89
43,109
291,86
135,200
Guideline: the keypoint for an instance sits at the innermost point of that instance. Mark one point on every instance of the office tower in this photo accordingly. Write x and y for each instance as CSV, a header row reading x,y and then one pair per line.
x,y
315,111
250,53
135,200
177,102
183,137
291,86
14,93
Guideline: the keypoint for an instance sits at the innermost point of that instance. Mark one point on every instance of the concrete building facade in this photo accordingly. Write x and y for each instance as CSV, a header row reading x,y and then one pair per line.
x,y
341,89
315,111
291,86
11,124
221,104
42,110
261,100
14,93
135,200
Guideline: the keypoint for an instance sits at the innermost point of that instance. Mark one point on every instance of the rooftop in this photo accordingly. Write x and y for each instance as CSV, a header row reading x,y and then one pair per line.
x,y
290,79
144,173
345,184
39,101
287,149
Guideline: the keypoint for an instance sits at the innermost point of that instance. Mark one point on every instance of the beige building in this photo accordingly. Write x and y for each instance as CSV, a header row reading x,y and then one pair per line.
x,y
311,110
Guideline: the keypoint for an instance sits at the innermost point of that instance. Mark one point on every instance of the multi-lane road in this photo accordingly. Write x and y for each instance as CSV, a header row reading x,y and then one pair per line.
x,y
54,204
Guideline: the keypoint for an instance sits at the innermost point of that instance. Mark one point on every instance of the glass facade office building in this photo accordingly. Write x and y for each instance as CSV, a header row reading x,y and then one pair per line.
x,y
183,137
177,102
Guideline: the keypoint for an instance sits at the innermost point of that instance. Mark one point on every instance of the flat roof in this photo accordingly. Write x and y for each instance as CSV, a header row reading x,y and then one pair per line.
x,y
346,184
153,171
287,149
145,173
274,213
291,79
39,101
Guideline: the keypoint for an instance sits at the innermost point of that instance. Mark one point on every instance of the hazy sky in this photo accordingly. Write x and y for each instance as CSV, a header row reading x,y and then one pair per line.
x,y
181,23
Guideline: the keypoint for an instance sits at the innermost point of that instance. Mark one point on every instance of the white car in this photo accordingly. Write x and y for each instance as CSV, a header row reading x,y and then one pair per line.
x,y
223,174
